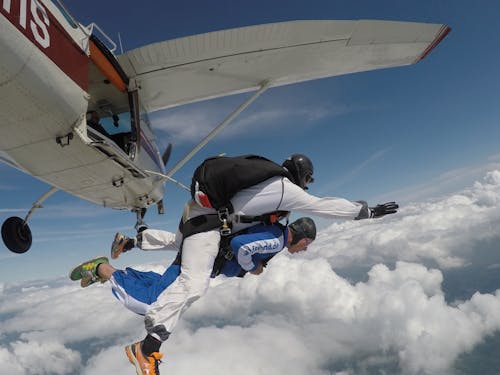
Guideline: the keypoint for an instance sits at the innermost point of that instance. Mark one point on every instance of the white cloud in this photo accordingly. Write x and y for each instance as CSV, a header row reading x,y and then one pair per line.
x,y
192,123
442,185
187,124
443,231
9,363
100,363
298,317
39,313
13,210
280,118
45,357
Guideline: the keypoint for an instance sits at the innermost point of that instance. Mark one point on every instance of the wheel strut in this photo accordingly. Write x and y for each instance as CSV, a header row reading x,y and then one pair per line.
x,y
16,233
140,225
38,203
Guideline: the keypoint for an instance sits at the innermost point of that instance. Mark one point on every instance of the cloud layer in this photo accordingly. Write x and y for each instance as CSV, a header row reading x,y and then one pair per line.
x,y
299,317
443,231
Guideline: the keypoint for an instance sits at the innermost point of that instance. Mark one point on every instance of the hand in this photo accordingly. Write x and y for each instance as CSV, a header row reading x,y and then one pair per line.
x,y
115,120
383,209
258,270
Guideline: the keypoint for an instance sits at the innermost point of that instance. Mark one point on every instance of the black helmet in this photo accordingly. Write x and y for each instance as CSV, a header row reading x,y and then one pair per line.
x,y
302,228
301,168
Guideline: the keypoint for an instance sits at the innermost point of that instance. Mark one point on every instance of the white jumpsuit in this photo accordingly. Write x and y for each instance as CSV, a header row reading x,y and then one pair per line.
x,y
199,250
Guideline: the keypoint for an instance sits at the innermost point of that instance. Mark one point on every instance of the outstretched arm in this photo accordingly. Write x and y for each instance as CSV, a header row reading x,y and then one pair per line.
x,y
296,199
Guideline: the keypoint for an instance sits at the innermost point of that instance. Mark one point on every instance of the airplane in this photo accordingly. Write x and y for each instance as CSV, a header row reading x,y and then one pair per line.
x,y
74,113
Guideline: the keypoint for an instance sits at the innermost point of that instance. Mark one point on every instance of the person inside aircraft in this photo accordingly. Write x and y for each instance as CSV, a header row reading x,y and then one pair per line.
x,y
121,139
94,121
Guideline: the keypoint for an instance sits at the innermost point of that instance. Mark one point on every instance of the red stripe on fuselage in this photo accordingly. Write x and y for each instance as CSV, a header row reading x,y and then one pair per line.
x,y
42,29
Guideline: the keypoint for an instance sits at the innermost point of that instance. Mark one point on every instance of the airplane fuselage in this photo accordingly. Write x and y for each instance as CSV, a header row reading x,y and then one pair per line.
x,y
51,74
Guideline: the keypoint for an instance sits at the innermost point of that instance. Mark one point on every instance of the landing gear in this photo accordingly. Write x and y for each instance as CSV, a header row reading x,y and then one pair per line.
x,y
16,233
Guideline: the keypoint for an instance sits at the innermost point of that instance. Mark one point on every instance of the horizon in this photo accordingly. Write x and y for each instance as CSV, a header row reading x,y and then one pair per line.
x,y
411,293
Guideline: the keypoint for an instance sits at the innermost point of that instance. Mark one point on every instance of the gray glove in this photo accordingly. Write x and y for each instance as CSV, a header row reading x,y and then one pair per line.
x,y
378,211
383,209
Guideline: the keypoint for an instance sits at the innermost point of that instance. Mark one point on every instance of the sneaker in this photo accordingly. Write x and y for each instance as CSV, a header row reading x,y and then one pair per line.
x,y
144,365
87,272
120,244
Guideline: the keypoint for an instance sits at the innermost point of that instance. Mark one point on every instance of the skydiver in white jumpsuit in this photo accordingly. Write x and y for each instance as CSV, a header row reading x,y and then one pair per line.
x,y
200,249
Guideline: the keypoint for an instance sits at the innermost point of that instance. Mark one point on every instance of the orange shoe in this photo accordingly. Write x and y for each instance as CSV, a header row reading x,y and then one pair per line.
x,y
143,365
120,244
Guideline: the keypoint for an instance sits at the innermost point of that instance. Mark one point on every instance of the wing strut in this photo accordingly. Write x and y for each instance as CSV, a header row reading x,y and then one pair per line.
x,y
165,177
263,87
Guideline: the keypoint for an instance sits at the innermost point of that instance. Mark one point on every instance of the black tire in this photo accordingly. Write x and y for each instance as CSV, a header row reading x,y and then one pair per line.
x,y
16,235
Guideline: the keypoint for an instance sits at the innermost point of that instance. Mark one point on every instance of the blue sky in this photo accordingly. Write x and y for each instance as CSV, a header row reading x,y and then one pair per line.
x,y
403,134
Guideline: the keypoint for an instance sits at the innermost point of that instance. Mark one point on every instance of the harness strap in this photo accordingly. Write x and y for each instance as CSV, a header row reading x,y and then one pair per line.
x,y
208,222
225,254
198,224
269,218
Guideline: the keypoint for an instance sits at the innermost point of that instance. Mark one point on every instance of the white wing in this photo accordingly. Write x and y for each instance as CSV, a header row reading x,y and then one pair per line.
x,y
199,67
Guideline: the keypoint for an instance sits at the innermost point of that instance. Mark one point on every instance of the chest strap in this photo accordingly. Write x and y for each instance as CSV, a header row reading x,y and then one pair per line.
x,y
269,218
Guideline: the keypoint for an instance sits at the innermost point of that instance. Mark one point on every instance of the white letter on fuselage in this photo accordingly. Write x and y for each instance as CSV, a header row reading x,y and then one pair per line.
x,y
44,39
22,13
6,5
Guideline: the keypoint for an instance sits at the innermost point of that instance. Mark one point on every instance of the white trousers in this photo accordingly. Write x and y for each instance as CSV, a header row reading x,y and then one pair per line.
x,y
154,239
198,256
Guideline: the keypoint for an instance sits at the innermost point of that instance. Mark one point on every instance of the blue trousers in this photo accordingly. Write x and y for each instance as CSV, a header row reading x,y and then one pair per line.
x,y
136,290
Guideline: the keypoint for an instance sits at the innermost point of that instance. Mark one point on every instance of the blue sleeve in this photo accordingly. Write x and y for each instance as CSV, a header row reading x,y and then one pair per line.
x,y
259,243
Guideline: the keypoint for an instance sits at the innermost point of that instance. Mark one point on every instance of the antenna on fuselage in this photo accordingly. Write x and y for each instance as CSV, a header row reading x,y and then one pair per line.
x,y
120,41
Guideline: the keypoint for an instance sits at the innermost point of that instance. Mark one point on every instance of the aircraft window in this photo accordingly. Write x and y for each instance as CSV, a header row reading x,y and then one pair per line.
x,y
145,123
145,118
116,123
119,129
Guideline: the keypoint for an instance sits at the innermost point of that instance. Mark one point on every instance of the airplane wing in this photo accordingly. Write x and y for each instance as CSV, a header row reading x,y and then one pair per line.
x,y
220,63
5,158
